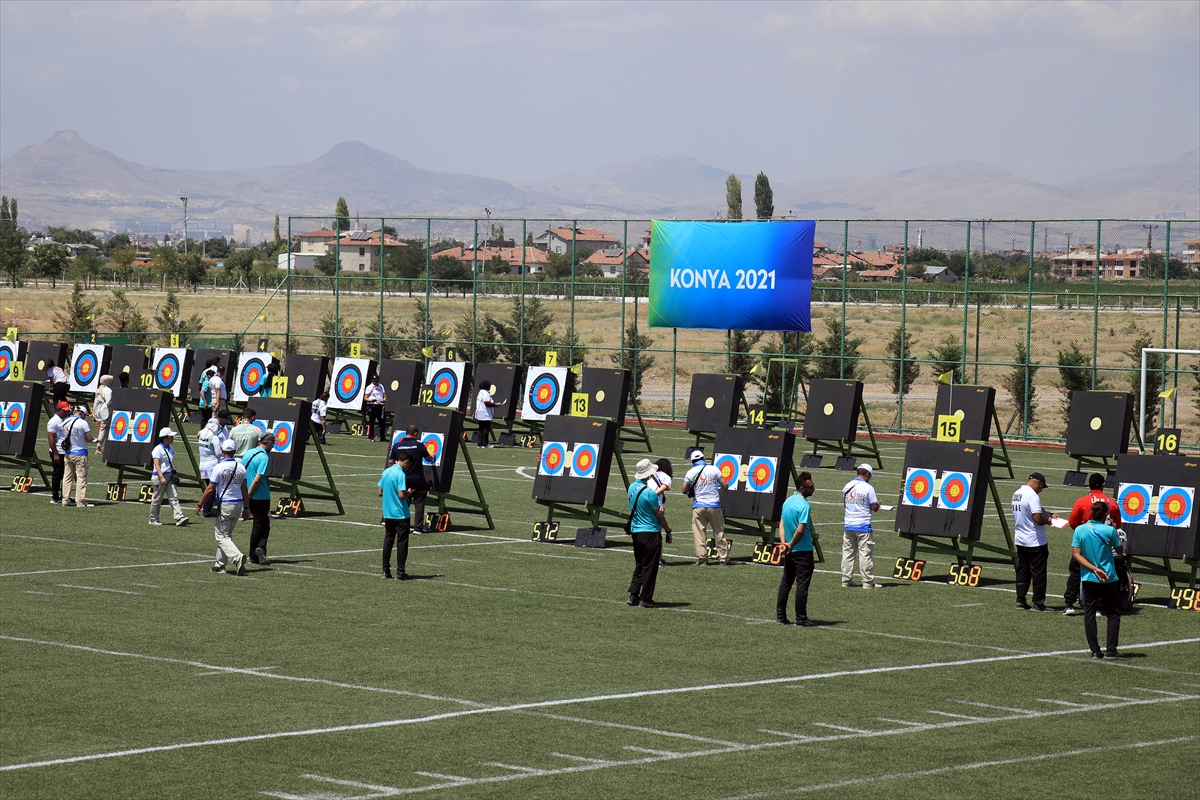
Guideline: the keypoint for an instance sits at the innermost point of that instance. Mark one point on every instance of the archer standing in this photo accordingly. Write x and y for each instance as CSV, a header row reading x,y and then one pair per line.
x,y
256,461
1030,519
795,531
374,398
1081,512
1093,546
646,521
393,488
858,536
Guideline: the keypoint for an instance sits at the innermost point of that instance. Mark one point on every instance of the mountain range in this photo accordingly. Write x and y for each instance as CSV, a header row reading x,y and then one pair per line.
x,y
67,181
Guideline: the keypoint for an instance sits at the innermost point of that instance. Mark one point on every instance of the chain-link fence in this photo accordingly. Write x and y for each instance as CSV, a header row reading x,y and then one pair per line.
x,y
1033,308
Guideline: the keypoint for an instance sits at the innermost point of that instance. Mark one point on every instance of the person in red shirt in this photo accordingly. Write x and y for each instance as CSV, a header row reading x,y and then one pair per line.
x,y
1081,512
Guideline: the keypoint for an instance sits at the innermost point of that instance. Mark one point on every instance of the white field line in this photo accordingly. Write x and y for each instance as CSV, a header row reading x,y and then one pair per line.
x,y
48,594
788,740
820,787
95,589
257,672
569,701
551,555
112,566
638,728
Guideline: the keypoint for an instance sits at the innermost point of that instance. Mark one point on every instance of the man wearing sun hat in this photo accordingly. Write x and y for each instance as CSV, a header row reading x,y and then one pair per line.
x,y
646,520
227,485
163,479
256,461
858,497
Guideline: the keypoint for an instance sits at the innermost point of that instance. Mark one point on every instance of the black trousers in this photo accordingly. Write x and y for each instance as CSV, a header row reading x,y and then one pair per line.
x,y
798,569
1104,597
59,392
647,549
395,531
416,501
484,436
1031,567
1072,592
58,466
375,421
260,510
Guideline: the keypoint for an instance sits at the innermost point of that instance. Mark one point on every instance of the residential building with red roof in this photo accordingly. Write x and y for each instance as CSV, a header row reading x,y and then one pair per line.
x,y
559,240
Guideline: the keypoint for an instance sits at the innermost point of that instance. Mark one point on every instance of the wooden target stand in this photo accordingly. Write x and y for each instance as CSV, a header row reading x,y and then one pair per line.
x,y
847,449
628,435
477,506
1084,463
766,532
1163,567
144,474
593,515
299,489
953,547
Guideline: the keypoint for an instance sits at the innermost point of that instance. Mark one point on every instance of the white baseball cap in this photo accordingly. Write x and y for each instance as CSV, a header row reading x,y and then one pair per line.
x,y
228,446
166,432
867,467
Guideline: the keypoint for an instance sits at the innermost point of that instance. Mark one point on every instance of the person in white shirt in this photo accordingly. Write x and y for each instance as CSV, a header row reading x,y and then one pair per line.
x,y
218,394
101,411
1030,521
703,483
320,407
210,438
662,478
76,435
484,414
58,381
55,438
374,398
163,479
860,501
227,484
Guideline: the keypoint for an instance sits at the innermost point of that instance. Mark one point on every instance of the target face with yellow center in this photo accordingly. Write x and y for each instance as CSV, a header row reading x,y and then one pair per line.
x,y
918,488
1134,501
760,477
445,387
284,434
85,367
955,491
434,443
143,428
8,354
252,376
583,460
1175,506
120,427
14,417
168,368
730,466
554,459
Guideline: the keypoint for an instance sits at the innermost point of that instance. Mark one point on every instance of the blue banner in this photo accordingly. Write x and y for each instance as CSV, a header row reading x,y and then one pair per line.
x,y
731,275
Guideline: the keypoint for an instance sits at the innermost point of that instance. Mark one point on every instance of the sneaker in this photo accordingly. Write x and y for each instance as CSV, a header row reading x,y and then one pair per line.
x,y
632,601
1042,608
805,623
57,502
217,568
403,576
648,604
69,504
782,619
155,522
182,521
1069,611
701,562
387,576
1097,654
1115,655
850,585
491,447
85,505
261,555
241,565
1022,605
872,585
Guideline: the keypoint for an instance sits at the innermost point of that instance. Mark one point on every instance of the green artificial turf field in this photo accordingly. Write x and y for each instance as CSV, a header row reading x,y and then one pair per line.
x,y
514,669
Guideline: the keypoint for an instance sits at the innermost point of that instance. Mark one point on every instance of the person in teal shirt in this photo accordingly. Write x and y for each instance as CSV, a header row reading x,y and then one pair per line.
x,y
1092,547
393,488
646,520
795,532
257,461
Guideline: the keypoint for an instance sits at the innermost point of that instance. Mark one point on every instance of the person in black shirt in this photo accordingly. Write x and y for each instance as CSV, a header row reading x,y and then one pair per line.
x,y
414,473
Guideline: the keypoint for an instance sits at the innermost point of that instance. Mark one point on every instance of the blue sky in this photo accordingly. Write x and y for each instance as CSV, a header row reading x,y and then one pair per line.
x,y
1048,91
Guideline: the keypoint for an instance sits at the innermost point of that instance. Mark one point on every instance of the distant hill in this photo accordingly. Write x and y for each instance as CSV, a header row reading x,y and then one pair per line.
x,y
67,181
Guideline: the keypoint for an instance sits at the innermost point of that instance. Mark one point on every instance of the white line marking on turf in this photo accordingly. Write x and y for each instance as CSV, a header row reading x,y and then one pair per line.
x,y
959,767
639,728
595,699
651,751
600,761
95,588
797,736
514,767
147,585
904,722
444,776
1062,703
968,605
1025,711
113,566
255,671
1156,691
962,716
48,594
842,728
551,555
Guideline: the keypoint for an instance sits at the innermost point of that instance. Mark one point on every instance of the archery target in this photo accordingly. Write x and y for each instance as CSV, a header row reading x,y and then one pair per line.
x,y
760,477
918,488
349,383
8,354
544,393
730,466
554,459
284,433
955,491
435,443
86,364
1175,506
397,435
445,387
121,426
263,425
168,369
14,417
583,460
252,376
142,428
1134,501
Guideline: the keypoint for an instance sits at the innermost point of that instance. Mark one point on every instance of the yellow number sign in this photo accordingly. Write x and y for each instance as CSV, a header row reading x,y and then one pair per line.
x,y
579,404
16,372
949,428
355,350
11,334
279,386
551,358
174,340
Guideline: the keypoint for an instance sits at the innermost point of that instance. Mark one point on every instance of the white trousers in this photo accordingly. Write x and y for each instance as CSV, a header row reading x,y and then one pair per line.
x,y
170,493
223,526
863,544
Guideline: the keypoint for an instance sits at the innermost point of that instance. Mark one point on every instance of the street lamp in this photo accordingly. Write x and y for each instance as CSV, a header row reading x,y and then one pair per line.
x,y
185,221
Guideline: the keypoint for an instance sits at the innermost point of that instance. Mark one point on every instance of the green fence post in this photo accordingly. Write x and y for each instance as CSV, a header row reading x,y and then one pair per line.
x,y
624,295
475,290
428,288
574,239
287,337
1028,334
382,288
337,286
674,367
903,330
524,269
845,268
1096,309
1166,315
966,298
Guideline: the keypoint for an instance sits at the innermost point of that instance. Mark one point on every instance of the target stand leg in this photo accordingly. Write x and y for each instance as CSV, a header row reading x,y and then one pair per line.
x,y
466,505
27,465
628,435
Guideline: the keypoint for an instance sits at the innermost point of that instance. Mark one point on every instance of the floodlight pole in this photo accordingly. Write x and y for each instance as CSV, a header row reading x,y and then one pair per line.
x,y
1142,397
185,229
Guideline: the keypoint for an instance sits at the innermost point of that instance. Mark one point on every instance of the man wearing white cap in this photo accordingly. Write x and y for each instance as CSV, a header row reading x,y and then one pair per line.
x,y
860,501
76,435
227,484
163,480
703,483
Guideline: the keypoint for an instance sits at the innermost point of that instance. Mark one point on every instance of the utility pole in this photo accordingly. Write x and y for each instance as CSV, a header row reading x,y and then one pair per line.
x,y
185,221
983,246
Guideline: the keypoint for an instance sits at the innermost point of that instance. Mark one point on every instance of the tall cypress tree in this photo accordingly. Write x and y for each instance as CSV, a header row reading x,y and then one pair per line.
x,y
764,198
733,197
12,245
341,213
